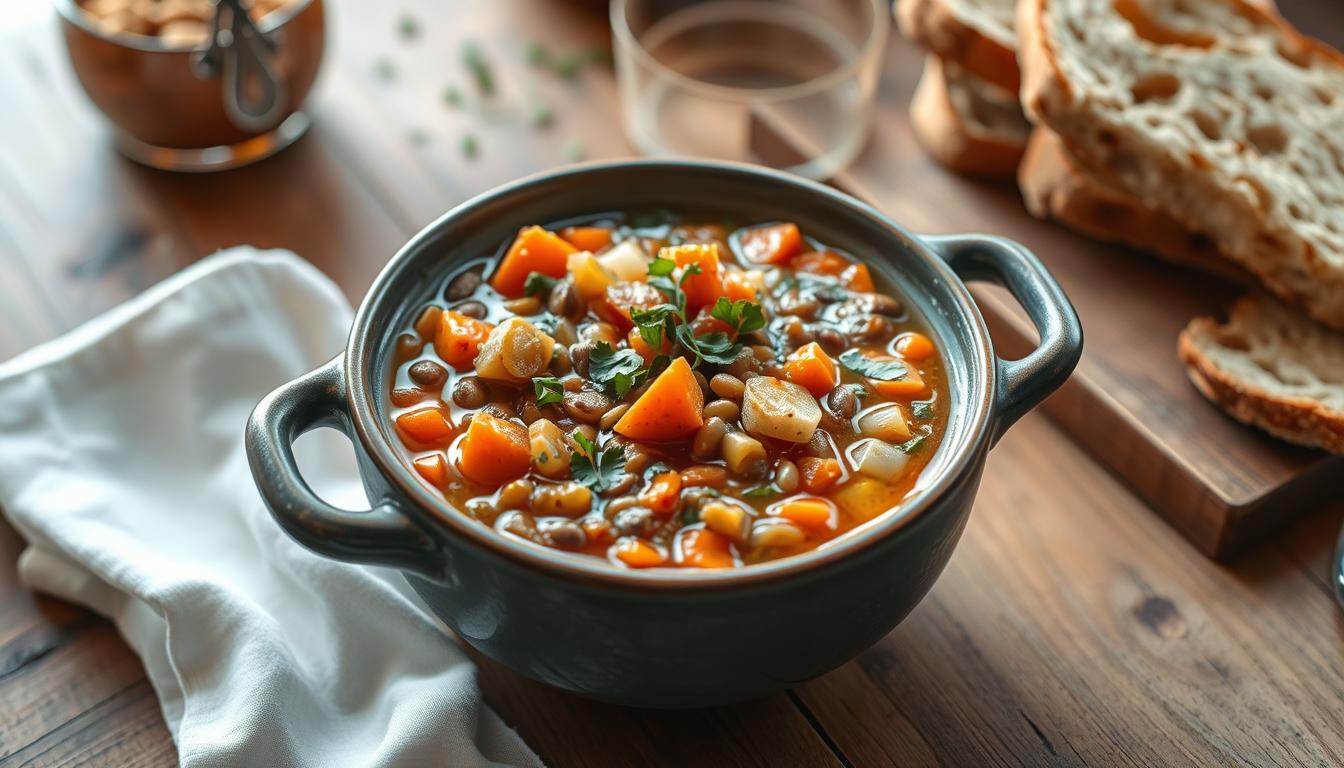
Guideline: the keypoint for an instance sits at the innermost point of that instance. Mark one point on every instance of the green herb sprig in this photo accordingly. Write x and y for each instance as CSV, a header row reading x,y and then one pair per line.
x,y
596,469
882,370
548,389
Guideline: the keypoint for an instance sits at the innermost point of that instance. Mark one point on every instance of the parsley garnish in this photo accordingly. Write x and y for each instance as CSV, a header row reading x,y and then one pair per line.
x,y
760,491
911,445
744,316
548,390
617,370
474,60
882,370
656,323
921,409
714,348
596,469
537,283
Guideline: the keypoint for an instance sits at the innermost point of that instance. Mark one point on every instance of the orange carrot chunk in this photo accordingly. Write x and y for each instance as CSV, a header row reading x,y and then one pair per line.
x,y
703,548
702,289
914,346
433,468
672,408
620,298
737,287
911,385
636,553
459,338
494,451
815,515
812,369
817,474
662,494
426,426
826,263
774,244
592,239
534,250
857,278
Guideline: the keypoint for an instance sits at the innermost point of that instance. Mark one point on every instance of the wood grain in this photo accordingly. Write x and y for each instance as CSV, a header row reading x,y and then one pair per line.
x,y
1222,484
1071,628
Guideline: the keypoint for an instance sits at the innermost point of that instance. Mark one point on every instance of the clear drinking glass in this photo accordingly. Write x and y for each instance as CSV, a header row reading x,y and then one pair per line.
x,y
785,83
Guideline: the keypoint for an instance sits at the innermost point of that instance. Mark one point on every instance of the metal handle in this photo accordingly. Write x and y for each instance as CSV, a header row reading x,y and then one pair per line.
x,y
1023,383
383,535
254,94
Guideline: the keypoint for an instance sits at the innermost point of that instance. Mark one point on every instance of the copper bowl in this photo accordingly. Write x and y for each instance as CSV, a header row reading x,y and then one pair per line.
x,y
166,114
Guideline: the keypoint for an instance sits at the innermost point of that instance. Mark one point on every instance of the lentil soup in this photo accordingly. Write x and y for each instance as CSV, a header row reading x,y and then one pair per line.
x,y
666,392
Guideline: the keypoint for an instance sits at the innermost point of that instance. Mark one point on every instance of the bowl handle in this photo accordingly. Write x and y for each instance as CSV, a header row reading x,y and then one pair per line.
x,y
1023,383
383,535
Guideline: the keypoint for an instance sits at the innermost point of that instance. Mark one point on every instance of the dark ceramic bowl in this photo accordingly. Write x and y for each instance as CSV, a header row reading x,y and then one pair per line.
x,y
665,638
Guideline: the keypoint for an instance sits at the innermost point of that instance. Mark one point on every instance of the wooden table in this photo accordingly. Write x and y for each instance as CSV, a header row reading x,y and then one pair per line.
x,y
1072,627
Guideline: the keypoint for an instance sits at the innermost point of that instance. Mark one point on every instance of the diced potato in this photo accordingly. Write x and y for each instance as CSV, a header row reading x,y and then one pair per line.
x,y
726,519
865,498
779,409
885,422
550,456
877,459
627,261
773,533
515,351
590,277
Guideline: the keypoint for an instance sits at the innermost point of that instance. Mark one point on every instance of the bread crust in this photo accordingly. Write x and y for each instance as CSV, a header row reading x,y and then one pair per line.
x,y
1053,186
1298,420
935,26
1280,257
947,135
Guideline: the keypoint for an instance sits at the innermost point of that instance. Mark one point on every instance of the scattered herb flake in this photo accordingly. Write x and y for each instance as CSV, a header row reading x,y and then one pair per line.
x,y
542,115
596,469
408,27
618,371
473,58
921,409
452,96
761,491
538,284
385,70
470,149
911,445
882,370
548,389
575,151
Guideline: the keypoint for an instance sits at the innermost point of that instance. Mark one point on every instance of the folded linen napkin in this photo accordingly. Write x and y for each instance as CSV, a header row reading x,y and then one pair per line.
x,y
122,464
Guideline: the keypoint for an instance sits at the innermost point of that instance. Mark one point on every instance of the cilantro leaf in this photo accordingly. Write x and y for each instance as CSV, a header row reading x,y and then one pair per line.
x,y
921,409
661,267
617,370
714,348
596,469
743,315
537,283
655,323
882,370
548,390
911,445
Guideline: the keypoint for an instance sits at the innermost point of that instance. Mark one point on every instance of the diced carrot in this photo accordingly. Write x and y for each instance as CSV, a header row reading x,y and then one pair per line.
x,y
433,468
858,278
915,346
775,244
592,239
705,323
620,298
641,346
672,408
702,289
662,494
459,338
494,451
737,287
810,514
703,548
534,250
636,553
597,529
911,385
429,427
818,474
826,263
812,369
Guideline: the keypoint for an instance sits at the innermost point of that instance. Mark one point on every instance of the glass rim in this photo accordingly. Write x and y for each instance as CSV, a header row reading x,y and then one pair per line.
x,y
625,37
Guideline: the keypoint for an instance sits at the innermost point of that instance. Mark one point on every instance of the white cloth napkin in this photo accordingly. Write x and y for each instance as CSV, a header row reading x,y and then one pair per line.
x,y
122,464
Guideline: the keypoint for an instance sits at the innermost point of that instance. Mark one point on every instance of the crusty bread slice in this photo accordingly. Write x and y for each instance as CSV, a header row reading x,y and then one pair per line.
x,y
975,34
1054,187
1272,367
966,124
1216,113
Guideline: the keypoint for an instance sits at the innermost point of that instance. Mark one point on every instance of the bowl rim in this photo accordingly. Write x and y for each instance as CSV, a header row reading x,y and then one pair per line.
x,y
70,11
976,435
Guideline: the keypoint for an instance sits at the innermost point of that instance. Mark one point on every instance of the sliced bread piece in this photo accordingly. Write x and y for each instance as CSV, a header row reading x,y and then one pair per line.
x,y
975,34
1216,113
1272,367
966,124
1054,187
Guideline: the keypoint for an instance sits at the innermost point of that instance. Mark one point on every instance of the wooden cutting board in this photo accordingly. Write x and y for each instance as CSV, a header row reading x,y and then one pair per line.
x,y
1221,484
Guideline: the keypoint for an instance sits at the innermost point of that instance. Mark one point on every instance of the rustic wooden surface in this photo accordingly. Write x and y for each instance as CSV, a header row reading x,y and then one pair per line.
x,y
1072,626
1220,483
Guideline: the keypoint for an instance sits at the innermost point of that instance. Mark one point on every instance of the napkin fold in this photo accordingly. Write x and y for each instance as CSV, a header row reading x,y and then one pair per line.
x,y
122,465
